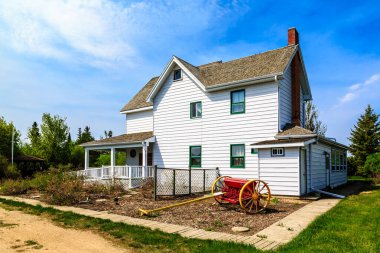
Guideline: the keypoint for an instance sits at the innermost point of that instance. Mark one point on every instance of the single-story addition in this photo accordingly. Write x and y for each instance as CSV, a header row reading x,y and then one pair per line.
x,y
246,116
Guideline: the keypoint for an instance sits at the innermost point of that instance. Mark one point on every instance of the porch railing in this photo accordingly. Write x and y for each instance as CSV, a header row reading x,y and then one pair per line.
x,y
119,172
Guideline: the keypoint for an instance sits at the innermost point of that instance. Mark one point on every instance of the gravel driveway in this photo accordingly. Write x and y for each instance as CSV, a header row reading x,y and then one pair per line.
x,y
20,232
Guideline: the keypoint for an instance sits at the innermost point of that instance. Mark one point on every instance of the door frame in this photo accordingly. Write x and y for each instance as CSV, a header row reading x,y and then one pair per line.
x,y
303,171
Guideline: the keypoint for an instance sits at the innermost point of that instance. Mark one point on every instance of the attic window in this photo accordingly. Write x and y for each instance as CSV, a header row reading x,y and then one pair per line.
x,y
177,74
278,152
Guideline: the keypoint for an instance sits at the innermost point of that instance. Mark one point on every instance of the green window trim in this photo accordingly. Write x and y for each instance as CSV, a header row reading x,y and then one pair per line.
x,y
191,110
233,157
236,103
191,156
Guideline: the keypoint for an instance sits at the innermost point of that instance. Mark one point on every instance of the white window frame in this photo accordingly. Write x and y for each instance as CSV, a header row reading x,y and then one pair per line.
x,y
180,71
275,152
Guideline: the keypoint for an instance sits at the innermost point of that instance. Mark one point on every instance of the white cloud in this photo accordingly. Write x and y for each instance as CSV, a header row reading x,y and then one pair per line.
x,y
356,90
103,33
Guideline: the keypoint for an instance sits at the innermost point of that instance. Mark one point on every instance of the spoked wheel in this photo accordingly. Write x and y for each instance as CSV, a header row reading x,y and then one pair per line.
x,y
254,196
219,186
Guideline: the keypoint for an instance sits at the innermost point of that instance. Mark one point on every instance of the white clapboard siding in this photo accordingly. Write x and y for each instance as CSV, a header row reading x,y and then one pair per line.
x,y
285,99
319,174
302,109
216,130
139,122
281,173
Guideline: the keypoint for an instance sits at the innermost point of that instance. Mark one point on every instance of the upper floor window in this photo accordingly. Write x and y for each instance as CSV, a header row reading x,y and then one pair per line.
x,y
278,152
177,74
195,156
196,110
237,155
237,101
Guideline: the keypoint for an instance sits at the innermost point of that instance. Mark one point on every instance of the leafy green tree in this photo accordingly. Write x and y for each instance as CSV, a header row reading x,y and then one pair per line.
x,y
312,121
365,137
6,130
77,156
372,165
55,141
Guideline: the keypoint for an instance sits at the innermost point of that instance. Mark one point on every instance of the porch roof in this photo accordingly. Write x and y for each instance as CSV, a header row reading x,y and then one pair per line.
x,y
291,142
121,139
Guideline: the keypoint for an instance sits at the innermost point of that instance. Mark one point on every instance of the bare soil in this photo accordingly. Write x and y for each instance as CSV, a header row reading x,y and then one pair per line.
x,y
206,214
20,232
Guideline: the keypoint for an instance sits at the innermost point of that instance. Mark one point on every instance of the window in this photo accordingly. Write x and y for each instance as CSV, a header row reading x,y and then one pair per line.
x,y
195,156
237,155
278,152
333,160
196,110
237,101
177,74
254,151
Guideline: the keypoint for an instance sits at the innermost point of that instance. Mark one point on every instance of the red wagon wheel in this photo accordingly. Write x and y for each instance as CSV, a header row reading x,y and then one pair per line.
x,y
219,186
254,196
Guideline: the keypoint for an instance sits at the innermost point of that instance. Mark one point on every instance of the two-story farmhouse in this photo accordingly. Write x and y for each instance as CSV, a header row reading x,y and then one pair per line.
x,y
244,116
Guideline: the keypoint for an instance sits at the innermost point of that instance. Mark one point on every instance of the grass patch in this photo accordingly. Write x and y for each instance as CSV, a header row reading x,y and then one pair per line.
x,y
353,225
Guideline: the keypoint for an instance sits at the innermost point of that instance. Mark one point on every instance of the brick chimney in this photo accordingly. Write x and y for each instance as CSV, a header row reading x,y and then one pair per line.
x,y
293,39
293,36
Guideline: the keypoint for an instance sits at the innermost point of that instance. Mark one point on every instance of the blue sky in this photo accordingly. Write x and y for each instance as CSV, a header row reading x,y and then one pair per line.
x,y
85,59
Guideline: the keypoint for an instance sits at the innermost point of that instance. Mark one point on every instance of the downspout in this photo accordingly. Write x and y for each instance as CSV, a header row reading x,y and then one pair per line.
x,y
310,168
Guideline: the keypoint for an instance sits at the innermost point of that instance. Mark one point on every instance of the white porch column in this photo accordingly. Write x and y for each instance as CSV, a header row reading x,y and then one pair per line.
x,y
144,158
113,163
86,158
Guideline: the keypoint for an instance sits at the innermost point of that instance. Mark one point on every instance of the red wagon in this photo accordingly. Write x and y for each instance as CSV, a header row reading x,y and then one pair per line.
x,y
252,195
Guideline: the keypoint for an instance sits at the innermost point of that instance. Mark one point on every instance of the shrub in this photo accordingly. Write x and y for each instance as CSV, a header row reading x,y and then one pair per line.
x,y
14,187
12,172
3,165
372,166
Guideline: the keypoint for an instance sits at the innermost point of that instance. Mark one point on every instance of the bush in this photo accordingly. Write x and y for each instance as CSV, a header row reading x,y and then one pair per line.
x,y
12,172
65,189
3,165
14,187
372,166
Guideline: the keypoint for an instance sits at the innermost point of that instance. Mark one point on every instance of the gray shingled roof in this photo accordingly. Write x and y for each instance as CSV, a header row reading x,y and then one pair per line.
x,y
254,66
290,129
139,100
121,139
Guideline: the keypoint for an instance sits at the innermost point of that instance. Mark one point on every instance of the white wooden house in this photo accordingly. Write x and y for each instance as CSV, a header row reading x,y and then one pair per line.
x,y
245,116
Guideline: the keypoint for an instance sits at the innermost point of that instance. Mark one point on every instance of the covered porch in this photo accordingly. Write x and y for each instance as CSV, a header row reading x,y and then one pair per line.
x,y
138,151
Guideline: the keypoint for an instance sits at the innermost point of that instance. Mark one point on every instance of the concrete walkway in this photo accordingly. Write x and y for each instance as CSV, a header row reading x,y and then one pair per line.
x,y
271,237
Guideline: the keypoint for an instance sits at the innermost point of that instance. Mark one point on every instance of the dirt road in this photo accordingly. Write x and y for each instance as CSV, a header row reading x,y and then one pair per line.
x,y
20,232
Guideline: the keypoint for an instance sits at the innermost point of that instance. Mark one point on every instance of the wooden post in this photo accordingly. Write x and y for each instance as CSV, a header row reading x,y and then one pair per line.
x,y
144,159
189,180
130,176
113,164
155,182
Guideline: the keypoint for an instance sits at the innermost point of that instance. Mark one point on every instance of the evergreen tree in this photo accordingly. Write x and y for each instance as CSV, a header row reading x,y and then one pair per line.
x,y
84,136
365,137
312,120
34,137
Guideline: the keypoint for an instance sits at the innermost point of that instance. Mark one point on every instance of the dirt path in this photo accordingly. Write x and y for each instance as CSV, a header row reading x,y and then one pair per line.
x,y
20,232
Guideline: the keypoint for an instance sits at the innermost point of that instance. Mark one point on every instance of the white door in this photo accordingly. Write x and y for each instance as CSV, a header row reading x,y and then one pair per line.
x,y
303,171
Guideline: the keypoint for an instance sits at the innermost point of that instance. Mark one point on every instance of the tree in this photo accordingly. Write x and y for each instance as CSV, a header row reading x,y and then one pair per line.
x,y
372,165
34,137
6,130
365,137
312,120
84,136
55,142
107,134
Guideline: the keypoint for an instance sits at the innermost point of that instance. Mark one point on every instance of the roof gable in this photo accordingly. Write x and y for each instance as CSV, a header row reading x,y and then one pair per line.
x,y
220,75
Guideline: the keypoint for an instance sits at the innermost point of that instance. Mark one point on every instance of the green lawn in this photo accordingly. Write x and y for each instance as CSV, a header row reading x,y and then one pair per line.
x,y
352,226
